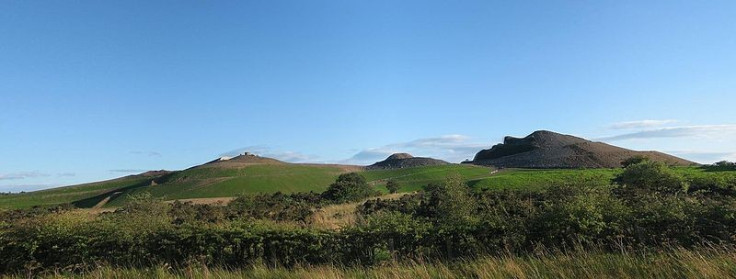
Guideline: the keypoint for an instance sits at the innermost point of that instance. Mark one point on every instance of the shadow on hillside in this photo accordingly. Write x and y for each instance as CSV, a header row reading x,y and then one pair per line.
x,y
92,201
718,168
118,192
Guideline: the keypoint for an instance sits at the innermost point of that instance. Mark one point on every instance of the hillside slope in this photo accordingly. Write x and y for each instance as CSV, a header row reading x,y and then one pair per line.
x,y
232,177
545,149
405,160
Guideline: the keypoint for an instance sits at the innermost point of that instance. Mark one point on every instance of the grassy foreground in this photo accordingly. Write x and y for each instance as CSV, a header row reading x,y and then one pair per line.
x,y
672,263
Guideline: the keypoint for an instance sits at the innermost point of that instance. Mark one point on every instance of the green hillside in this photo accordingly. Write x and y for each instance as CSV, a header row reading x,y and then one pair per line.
x,y
212,182
536,179
83,193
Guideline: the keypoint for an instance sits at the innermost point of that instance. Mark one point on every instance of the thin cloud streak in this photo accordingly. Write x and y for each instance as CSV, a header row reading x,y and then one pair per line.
x,y
16,188
147,153
726,131
705,157
22,175
452,148
128,170
641,124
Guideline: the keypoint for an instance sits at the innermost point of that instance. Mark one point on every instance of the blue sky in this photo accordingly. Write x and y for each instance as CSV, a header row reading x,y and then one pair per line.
x,y
92,90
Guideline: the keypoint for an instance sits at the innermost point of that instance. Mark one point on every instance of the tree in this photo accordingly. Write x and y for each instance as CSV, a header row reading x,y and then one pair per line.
x,y
450,203
392,186
634,160
650,176
349,187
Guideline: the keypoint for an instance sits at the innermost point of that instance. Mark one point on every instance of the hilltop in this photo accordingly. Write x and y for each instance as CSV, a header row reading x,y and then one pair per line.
x,y
242,160
546,149
405,160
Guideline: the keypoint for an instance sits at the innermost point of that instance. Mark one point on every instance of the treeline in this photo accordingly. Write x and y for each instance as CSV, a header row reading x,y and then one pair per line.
x,y
648,205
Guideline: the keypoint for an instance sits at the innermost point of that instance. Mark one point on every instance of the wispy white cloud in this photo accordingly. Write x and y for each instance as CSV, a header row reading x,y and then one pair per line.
x,y
270,152
66,174
725,131
22,175
705,157
641,124
15,188
128,170
146,153
452,148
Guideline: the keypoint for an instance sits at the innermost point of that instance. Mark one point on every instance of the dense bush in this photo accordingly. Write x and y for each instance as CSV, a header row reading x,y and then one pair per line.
x,y
392,186
634,160
650,177
277,206
349,187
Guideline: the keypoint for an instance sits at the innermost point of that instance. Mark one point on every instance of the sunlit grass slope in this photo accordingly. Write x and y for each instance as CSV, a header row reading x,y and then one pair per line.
x,y
212,182
83,193
288,178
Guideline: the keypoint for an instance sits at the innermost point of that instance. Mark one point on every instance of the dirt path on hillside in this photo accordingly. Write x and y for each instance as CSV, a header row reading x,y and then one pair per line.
x,y
104,201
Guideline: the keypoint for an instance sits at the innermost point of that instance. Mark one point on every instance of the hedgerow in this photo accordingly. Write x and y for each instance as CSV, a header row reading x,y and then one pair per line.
x,y
442,222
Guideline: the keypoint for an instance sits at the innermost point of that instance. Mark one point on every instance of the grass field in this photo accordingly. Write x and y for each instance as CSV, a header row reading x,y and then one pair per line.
x,y
537,179
288,178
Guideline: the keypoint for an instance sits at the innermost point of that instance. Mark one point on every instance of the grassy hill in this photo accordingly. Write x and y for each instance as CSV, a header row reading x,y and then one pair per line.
x,y
69,194
209,182
212,181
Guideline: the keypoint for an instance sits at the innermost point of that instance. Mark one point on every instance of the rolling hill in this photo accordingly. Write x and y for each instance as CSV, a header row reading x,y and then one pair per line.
x,y
405,160
248,173
545,149
228,177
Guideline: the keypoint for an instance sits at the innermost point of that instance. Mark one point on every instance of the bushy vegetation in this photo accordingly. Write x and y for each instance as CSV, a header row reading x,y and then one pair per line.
x,y
392,186
647,206
349,187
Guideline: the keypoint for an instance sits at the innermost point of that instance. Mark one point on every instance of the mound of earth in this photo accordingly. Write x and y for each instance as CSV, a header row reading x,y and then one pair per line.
x,y
245,159
405,160
545,149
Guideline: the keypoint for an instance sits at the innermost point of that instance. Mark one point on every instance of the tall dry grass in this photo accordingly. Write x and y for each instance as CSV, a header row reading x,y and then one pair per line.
x,y
333,217
710,262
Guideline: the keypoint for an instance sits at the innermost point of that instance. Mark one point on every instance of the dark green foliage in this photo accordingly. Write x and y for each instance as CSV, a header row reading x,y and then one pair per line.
x,y
713,184
449,203
277,206
349,187
392,186
13,215
407,204
720,166
634,160
650,177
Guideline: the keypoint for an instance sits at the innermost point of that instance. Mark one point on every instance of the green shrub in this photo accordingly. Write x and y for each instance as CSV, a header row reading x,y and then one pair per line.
x,y
392,186
349,187
634,160
650,177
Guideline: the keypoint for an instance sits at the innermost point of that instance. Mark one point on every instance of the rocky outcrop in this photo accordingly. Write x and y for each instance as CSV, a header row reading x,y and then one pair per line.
x,y
405,160
546,149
